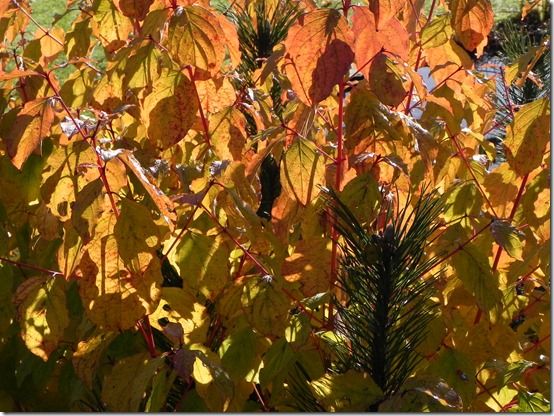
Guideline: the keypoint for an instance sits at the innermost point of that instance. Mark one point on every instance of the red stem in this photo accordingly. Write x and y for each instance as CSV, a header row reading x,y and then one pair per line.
x,y
146,330
338,179
499,250
100,163
536,344
418,59
489,393
461,153
30,266
202,116
258,264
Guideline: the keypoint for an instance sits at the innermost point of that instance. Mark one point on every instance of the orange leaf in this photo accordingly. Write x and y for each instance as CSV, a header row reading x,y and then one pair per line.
x,y
135,9
31,126
4,76
160,199
393,38
384,10
318,54
170,110
472,21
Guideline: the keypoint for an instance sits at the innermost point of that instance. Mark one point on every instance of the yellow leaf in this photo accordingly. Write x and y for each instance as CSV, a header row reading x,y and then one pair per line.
x,y
528,136
436,33
112,27
196,38
318,54
348,392
202,262
228,134
472,267
501,187
115,293
266,305
463,201
309,265
472,21
180,306
302,170
216,94
42,312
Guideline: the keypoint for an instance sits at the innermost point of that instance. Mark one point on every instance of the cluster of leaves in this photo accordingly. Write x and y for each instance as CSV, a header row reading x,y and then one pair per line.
x,y
134,271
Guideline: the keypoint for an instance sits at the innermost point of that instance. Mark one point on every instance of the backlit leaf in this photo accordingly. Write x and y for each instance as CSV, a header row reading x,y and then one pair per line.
x,y
508,237
195,38
472,267
162,202
369,41
228,134
348,392
302,170
385,81
180,306
318,54
472,21
528,136
202,262
170,110
86,358
31,126
112,27
42,312
117,293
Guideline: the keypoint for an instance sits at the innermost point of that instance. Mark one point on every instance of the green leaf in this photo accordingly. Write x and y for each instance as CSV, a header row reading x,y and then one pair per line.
x,y
472,267
361,195
302,170
202,262
277,361
267,306
123,389
161,385
532,402
458,371
463,201
240,353
42,312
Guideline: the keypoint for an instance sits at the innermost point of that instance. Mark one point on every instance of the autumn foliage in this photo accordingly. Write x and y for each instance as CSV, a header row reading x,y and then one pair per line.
x,y
138,270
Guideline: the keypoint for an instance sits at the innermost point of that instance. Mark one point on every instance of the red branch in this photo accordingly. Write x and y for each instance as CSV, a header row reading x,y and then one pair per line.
x,y
259,264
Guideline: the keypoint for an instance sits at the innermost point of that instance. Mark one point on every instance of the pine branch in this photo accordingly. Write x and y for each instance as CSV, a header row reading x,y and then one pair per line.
x,y
388,306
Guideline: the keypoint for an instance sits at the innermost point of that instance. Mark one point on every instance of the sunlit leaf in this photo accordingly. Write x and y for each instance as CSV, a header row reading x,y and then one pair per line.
x,y
318,54
472,21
